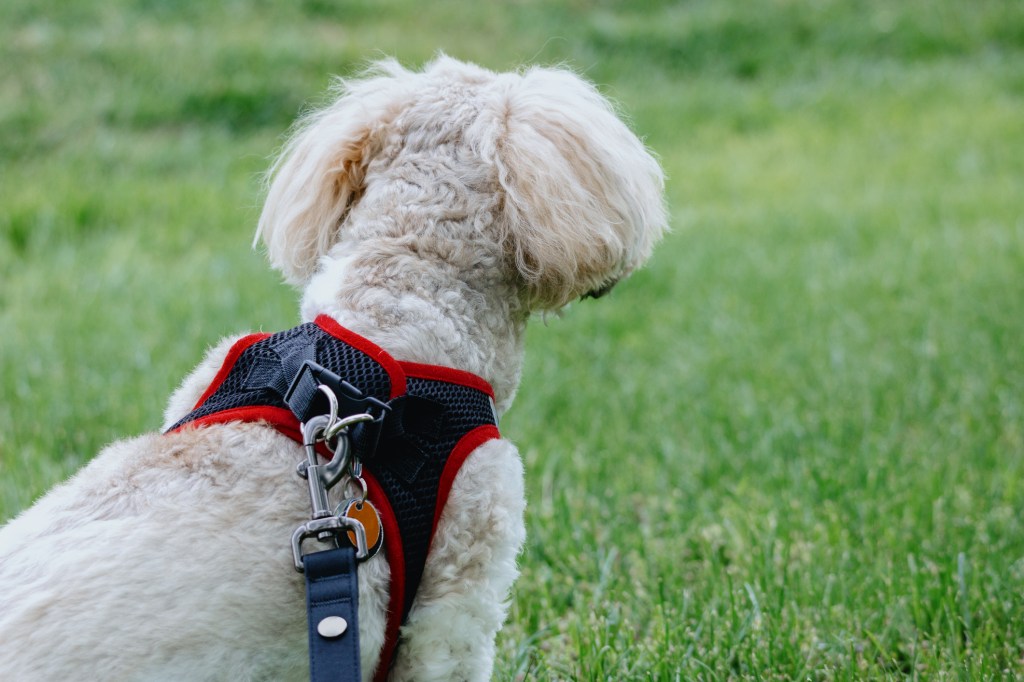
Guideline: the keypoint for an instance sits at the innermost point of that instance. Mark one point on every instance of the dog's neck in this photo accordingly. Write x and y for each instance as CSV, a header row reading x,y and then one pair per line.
x,y
421,309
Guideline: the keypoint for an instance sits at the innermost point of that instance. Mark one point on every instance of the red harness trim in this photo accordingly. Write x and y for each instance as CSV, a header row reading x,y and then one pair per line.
x,y
281,419
390,365
395,554
460,453
446,374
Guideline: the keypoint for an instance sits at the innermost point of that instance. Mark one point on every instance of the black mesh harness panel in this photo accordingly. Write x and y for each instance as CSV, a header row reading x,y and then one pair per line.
x,y
435,411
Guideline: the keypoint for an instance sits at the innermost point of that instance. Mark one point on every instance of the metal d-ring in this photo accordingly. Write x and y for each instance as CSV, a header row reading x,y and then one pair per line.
x,y
332,401
339,425
362,489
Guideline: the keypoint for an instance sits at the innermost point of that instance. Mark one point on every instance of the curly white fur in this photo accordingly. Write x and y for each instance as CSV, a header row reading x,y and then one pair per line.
x,y
431,212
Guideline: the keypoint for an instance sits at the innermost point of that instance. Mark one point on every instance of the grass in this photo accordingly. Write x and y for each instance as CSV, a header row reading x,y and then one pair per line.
x,y
790,449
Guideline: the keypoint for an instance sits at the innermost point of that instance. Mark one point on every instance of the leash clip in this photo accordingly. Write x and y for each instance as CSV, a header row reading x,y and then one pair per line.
x,y
325,524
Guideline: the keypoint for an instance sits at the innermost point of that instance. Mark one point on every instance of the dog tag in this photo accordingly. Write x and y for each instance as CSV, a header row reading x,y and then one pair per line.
x,y
365,513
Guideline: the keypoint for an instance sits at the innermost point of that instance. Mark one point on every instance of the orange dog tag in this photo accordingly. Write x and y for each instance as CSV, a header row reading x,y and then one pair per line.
x,y
365,513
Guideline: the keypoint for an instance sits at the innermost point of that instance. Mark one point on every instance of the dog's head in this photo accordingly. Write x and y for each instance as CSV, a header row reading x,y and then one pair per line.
x,y
577,197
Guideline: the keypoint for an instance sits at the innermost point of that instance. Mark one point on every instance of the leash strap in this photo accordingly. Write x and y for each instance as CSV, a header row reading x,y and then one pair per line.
x,y
332,606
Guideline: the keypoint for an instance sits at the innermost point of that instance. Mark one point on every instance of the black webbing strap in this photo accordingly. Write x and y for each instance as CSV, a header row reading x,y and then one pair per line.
x,y
332,604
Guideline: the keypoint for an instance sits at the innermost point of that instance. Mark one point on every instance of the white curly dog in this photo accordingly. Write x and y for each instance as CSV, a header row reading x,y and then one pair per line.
x,y
431,212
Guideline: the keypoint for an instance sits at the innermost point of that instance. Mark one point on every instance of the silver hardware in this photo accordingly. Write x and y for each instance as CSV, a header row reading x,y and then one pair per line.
x,y
360,483
356,468
331,627
331,526
326,525
340,425
313,473
332,401
341,461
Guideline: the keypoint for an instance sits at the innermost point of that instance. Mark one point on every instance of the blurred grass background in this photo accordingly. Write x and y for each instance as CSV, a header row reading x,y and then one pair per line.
x,y
789,449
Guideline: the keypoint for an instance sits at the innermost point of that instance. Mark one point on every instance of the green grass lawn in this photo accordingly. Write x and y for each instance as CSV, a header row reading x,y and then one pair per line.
x,y
792,448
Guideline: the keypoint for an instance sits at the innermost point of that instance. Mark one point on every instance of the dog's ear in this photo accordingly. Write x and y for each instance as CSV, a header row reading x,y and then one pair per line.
x,y
319,173
583,196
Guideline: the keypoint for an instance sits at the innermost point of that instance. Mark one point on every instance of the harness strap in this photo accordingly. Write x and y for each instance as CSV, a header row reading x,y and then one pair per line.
x,y
425,421
332,607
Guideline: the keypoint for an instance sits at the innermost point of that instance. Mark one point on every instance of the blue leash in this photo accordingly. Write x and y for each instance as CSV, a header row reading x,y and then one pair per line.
x,y
332,584
332,606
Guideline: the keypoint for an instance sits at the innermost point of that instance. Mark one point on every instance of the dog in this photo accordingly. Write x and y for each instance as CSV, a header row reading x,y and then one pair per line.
x,y
432,213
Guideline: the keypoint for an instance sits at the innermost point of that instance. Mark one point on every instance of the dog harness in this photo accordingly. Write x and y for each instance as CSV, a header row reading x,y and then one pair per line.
x,y
430,419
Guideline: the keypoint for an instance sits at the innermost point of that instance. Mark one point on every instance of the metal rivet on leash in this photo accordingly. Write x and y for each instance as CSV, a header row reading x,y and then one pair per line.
x,y
331,627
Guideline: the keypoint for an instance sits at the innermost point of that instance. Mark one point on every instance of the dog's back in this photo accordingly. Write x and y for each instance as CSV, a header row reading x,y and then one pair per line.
x,y
431,213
